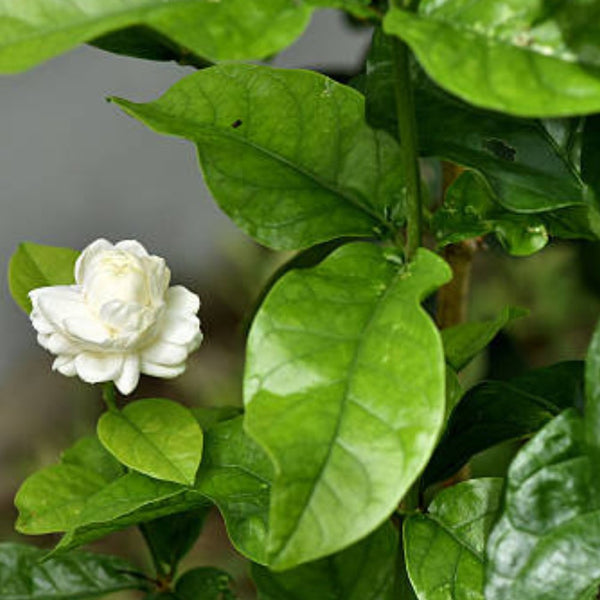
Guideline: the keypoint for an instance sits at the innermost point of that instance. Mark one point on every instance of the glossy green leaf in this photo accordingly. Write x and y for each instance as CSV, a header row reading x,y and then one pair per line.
x,y
236,475
170,538
523,57
37,30
496,411
33,266
469,211
156,437
590,152
205,583
344,387
286,154
364,571
527,163
208,417
547,541
74,576
358,8
463,342
592,393
445,548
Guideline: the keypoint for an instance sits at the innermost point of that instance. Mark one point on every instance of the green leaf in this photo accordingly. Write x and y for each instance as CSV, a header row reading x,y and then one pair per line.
x,y
339,356
592,394
496,411
206,583
364,571
469,211
527,58
236,475
156,437
358,8
237,29
208,417
445,548
463,342
286,154
33,266
74,576
526,163
547,541
170,538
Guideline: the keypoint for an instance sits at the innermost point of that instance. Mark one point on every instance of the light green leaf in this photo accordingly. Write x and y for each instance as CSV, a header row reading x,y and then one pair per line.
x,y
286,154
547,542
156,437
523,57
33,266
34,31
592,393
463,342
364,571
359,8
469,211
74,576
496,411
445,548
344,387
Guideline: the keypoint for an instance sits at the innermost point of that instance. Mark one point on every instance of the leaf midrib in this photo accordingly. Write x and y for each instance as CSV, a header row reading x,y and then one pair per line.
x,y
379,302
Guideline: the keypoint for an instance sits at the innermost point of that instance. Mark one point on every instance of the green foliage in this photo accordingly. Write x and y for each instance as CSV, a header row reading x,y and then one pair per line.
x,y
364,571
469,211
445,548
286,154
523,57
463,342
206,583
34,265
237,29
156,437
339,356
546,542
73,576
496,411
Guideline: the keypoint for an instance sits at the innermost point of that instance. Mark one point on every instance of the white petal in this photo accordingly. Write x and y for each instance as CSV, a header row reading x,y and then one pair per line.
x,y
125,315
87,255
181,300
94,368
166,372
65,365
178,329
132,246
40,323
128,379
195,343
164,353
57,343
87,331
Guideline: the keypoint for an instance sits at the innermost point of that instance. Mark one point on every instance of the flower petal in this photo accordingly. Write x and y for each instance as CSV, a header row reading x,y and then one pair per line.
x,y
181,300
88,254
94,368
178,329
164,353
132,246
164,371
88,332
128,379
65,365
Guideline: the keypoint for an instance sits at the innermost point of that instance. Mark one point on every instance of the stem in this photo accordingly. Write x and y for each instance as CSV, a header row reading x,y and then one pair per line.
x,y
109,395
407,132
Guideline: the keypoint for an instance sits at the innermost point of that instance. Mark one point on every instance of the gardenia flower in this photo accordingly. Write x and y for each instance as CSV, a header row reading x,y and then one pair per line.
x,y
120,318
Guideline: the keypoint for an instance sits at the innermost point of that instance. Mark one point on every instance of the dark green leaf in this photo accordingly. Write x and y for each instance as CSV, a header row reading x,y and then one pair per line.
x,y
208,417
73,576
445,548
592,394
463,342
156,437
170,538
339,356
358,8
590,153
547,542
236,475
33,266
496,411
528,58
469,211
204,583
237,29
364,571
287,154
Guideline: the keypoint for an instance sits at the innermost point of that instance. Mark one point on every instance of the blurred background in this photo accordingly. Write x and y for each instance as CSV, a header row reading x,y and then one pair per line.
x,y
73,169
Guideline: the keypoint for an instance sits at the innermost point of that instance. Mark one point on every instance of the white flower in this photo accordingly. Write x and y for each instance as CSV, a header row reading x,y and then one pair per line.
x,y
120,318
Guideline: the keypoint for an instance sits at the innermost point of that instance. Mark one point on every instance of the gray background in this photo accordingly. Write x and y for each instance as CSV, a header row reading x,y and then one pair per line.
x,y
73,168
